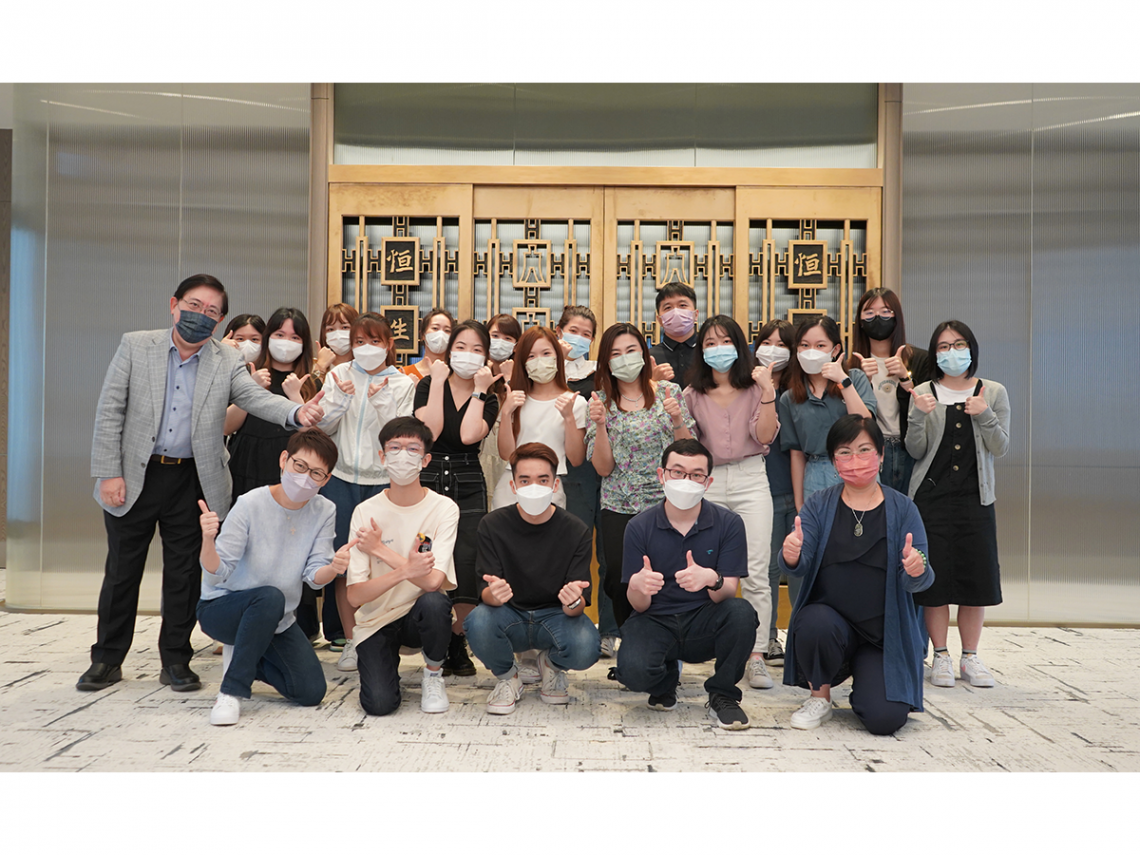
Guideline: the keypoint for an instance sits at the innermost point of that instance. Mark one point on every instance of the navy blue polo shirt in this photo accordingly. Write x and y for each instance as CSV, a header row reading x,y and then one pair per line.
x,y
717,540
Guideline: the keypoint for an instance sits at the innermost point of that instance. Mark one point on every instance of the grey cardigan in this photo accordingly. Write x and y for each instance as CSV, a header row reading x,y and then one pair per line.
x,y
991,436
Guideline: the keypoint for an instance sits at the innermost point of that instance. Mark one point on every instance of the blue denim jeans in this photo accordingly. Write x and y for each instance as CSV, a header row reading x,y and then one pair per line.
x,y
583,490
652,644
497,633
286,661
897,466
783,521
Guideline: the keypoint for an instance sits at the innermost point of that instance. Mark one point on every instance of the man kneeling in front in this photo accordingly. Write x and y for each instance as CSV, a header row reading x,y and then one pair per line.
x,y
533,571
274,540
682,561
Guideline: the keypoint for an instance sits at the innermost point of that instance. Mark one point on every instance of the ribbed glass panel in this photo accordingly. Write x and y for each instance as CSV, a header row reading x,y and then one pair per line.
x,y
136,186
608,124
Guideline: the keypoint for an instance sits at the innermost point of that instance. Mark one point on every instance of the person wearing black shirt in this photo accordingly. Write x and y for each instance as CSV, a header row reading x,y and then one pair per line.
x,y
677,317
533,572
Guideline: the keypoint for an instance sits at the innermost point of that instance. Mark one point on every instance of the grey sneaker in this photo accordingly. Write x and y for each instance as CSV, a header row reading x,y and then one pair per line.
x,y
528,669
554,688
758,676
942,671
505,696
609,646
976,672
774,655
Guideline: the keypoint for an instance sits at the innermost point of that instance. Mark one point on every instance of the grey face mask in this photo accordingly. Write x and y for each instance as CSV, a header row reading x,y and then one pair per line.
x,y
627,367
194,326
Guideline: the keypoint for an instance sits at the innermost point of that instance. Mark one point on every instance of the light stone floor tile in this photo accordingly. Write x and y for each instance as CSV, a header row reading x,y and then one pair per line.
x,y
1067,700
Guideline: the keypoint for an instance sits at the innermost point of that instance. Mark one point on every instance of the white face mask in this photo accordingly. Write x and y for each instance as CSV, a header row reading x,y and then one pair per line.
x,y
683,494
534,498
249,350
369,356
403,466
501,349
337,341
465,364
812,361
772,356
436,341
283,350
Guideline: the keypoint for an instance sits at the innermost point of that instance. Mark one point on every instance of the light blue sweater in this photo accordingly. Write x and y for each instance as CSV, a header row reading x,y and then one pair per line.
x,y
261,544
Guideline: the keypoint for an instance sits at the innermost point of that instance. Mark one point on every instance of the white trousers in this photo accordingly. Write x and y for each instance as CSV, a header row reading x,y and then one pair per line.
x,y
742,487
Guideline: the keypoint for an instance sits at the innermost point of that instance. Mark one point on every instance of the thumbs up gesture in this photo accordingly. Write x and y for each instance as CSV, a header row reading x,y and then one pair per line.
x,y
645,581
793,543
514,400
870,366
896,367
913,561
673,407
597,410
339,564
833,370
499,588
661,372
373,388
208,521
571,592
925,403
976,404
311,412
694,577
291,386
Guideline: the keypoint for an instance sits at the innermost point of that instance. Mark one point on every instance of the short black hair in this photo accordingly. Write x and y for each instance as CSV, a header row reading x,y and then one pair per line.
x,y
475,326
245,320
200,280
317,441
700,374
406,427
687,448
847,428
676,289
936,373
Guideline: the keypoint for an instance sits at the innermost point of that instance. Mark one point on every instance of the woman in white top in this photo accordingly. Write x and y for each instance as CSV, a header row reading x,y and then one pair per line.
x,y
541,408
335,344
360,397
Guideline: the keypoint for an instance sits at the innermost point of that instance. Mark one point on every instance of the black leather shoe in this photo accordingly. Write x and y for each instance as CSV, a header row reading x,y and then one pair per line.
x,y
180,678
99,676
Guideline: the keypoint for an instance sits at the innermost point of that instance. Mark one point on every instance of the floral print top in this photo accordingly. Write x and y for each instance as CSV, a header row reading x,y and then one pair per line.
x,y
637,439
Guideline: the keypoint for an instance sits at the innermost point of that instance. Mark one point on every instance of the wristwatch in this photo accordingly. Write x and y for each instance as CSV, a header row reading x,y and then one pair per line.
x,y
479,396
846,382
717,585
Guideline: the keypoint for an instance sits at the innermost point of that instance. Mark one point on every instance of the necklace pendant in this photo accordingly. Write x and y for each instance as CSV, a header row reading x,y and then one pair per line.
x,y
858,529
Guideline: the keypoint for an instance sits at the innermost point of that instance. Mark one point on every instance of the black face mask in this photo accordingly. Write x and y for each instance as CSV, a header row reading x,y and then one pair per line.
x,y
878,328
195,326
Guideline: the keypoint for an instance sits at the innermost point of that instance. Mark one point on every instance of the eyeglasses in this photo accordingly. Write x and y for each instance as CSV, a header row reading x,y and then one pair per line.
x,y
303,468
392,448
679,474
209,311
863,451
956,345
882,313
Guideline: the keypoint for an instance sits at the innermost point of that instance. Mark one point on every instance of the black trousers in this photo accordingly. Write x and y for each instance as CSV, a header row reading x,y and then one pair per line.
x,y
827,648
427,625
612,531
169,499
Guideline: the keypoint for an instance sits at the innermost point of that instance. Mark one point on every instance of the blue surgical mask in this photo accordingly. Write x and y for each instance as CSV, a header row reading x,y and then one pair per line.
x,y
194,326
954,362
721,357
579,345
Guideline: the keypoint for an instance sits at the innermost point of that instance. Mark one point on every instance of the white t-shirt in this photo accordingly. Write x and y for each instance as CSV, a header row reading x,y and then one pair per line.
x,y
951,396
886,390
539,421
434,515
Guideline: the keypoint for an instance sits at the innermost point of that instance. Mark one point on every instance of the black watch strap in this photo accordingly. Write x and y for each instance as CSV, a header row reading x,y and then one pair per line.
x,y
846,382
717,585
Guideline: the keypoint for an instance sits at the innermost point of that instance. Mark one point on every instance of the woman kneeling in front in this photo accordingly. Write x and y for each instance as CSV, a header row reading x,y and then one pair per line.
x,y
861,549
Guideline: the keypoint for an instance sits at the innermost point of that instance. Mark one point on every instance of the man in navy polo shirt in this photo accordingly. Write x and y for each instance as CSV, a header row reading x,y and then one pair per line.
x,y
682,561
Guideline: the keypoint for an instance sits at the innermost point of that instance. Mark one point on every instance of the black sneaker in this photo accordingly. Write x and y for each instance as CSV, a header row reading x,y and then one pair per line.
x,y
457,661
665,703
727,713
774,655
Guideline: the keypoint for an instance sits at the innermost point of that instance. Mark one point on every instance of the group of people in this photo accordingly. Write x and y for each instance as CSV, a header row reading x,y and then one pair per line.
x,y
455,505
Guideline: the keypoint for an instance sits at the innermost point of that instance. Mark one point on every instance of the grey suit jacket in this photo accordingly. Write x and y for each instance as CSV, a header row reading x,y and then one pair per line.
x,y
130,412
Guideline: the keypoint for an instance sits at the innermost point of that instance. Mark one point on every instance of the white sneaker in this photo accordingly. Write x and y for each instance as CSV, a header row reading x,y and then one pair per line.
x,y
528,669
758,676
504,696
554,688
942,671
609,646
434,696
976,672
347,661
227,710
812,714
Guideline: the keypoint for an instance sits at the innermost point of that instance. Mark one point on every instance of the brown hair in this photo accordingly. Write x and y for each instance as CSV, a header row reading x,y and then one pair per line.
x,y
508,325
787,336
317,441
535,451
520,380
570,312
861,345
431,314
794,376
336,312
604,379
303,364
372,325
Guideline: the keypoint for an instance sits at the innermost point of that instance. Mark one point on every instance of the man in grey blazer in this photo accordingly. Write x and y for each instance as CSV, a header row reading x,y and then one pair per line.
x,y
158,449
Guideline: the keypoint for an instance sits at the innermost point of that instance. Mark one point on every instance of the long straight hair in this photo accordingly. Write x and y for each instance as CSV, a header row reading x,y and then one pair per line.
x,y
861,345
520,380
304,363
700,375
796,377
604,379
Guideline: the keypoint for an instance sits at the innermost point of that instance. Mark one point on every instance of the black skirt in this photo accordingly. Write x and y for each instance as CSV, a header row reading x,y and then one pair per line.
x,y
459,477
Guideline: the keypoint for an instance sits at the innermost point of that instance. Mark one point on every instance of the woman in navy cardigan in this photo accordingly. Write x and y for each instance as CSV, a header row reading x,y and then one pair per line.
x,y
861,548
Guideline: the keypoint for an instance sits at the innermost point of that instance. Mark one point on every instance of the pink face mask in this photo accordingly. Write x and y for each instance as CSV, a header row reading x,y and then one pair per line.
x,y
678,323
858,471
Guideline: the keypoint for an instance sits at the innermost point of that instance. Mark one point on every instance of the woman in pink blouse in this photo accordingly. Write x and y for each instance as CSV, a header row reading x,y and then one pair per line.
x,y
733,402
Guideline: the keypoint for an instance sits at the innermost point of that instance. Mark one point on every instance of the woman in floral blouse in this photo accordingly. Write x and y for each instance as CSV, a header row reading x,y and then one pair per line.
x,y
633,419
